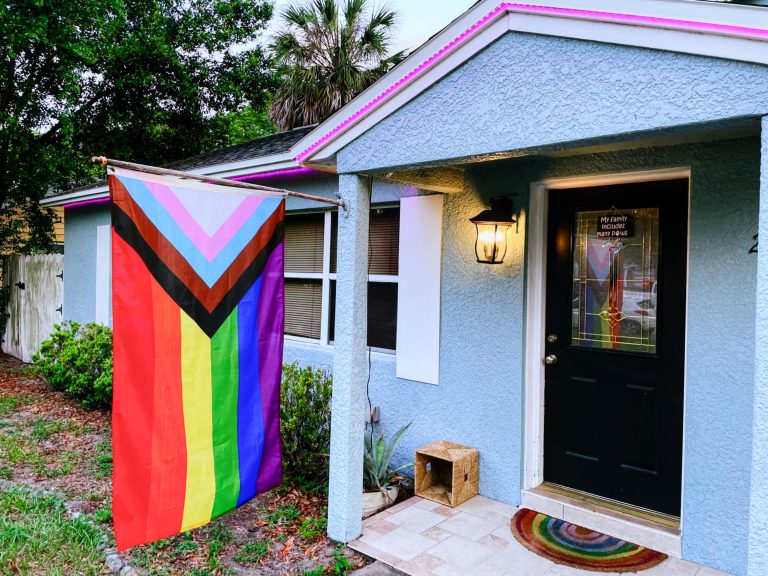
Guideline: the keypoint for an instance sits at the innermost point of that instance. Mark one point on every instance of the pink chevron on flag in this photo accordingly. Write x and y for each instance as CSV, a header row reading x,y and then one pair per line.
x,y
219,232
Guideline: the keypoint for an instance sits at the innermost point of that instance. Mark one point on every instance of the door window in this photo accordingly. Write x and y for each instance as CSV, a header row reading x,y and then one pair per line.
x,y
615,289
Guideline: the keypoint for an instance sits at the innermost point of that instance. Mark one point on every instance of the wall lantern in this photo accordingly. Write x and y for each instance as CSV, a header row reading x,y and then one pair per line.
x,y
492,227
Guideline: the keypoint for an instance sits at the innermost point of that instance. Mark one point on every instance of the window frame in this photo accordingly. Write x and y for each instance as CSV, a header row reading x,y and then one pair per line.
x,y
326,277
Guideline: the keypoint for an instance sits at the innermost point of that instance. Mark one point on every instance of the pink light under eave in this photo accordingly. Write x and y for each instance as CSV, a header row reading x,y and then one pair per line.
x,y
275,174
87,203
505,7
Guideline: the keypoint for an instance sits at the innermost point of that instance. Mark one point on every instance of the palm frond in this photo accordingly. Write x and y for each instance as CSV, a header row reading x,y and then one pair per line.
x,y
329,52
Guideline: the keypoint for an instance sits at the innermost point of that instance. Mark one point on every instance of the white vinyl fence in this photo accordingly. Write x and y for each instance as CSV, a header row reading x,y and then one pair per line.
x,y
37,292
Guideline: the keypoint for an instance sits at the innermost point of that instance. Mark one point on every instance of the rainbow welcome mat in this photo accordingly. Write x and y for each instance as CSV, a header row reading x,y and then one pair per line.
x,y
197,294
571,545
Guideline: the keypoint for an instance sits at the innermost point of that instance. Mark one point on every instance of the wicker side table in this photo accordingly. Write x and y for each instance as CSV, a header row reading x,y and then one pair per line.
x,y
447,473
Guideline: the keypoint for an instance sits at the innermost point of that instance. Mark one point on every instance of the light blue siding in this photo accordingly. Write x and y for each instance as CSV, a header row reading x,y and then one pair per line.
x,y
80,225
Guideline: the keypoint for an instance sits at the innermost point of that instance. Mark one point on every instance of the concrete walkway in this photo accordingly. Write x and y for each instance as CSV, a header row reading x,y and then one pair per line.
x,y
422,538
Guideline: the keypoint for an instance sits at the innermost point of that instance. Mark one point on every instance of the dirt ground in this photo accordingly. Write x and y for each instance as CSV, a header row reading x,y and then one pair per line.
x,y
48,442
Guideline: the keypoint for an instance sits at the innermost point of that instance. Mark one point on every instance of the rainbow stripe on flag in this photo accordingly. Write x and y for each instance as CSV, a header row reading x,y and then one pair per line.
x,y
198,312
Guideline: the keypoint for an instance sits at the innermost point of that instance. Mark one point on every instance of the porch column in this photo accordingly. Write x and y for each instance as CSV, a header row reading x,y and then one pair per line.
x,y
349,361
758,509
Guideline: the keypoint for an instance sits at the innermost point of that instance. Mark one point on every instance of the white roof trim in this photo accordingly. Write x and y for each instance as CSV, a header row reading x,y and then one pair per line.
x,y
275,162
95,193
689,26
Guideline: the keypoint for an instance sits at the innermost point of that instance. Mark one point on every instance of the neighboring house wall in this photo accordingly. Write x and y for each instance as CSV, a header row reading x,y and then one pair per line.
x,y
58,225
526,91
80,260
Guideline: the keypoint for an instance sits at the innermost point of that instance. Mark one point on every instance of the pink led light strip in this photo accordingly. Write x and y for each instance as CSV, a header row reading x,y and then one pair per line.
x,y
87,202
504,7
275,173
298,170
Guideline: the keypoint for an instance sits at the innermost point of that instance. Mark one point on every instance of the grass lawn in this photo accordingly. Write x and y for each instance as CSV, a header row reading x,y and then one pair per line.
x,y
55,504
37,535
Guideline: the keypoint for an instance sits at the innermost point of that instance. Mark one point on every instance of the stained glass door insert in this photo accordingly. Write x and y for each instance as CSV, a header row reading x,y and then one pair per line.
x,y
615,289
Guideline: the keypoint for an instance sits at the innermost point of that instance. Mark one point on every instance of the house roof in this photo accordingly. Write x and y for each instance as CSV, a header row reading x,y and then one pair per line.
x,y
259,148
245,157
716,29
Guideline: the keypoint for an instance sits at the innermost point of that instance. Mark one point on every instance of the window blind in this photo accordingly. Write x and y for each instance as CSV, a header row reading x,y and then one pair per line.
x,y
303,305
304,243
383,241
382,314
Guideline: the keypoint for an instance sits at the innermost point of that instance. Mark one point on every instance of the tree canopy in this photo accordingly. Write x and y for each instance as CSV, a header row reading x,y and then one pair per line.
x,y
145,80
329,52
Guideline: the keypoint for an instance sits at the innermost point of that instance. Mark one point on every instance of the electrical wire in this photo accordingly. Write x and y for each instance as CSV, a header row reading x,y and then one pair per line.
x,y
368,379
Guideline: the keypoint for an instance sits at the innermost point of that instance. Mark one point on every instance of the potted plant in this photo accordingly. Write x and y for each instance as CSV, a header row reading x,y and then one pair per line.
x,y
379,478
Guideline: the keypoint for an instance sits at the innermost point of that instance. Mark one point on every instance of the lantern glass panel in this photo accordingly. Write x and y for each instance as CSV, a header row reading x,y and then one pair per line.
x,y
491,244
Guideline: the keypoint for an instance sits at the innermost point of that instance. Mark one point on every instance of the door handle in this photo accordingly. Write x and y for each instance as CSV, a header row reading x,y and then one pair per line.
x,y
550,360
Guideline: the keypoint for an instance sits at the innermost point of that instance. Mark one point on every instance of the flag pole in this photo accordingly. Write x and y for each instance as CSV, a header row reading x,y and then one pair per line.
x,y
104,161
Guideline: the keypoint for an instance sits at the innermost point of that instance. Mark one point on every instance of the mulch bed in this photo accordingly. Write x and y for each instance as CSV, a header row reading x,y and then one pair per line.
x,y
278,533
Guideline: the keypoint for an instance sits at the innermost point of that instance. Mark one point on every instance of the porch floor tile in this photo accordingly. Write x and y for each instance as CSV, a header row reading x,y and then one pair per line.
x,y
423,538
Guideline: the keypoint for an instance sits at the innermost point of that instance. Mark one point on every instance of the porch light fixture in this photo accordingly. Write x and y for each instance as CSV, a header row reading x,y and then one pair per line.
x,y
492,227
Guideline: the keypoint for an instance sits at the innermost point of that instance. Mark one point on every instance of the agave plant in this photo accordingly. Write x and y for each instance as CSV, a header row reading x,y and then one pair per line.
x,y
377,472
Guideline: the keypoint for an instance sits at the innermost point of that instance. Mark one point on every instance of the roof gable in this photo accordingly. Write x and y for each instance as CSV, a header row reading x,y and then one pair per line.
x,y
687,26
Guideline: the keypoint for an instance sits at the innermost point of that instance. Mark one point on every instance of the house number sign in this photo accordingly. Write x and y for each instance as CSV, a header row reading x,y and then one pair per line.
x,y
615,225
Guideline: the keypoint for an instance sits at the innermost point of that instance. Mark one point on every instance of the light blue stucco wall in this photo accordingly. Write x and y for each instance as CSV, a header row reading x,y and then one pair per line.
x,y
526,91
479,400
541,93
80,260
758,521
720,335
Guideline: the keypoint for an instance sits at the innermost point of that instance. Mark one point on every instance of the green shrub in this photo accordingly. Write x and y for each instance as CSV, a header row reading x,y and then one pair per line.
x,y
77,360
305,424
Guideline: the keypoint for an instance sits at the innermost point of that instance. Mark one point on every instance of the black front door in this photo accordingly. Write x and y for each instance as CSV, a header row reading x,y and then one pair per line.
x,y
615,330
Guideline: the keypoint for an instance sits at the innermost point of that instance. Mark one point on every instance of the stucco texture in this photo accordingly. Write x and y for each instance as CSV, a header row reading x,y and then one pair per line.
x,y
720,351
479,400
80,225
526,91
758,553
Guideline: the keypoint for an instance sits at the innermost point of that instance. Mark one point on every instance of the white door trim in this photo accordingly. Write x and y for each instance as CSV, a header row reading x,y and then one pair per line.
x,y
533,464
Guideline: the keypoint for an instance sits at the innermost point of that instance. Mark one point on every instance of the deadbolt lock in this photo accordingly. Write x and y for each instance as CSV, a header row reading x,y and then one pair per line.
x,y
552,338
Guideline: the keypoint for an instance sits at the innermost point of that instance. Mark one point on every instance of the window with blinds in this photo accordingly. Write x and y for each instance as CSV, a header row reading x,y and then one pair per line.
x,y
303,255
383,241
304,243
303,307
383,254
382,314
305,277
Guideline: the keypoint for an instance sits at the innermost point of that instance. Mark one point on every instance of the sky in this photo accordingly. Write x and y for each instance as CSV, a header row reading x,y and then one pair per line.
x,y
418,19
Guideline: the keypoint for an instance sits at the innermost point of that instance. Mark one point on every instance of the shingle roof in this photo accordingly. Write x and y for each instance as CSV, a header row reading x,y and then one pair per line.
x,y
259,148
266,146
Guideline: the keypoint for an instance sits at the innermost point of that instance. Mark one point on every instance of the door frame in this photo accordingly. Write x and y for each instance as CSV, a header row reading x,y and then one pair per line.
x,y
535,312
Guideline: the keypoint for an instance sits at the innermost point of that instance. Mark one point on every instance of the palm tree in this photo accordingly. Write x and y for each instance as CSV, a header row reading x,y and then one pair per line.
x,y
327,56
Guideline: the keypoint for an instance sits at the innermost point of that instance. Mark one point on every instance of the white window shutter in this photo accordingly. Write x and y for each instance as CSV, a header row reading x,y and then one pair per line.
x,y
418,296
103,274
